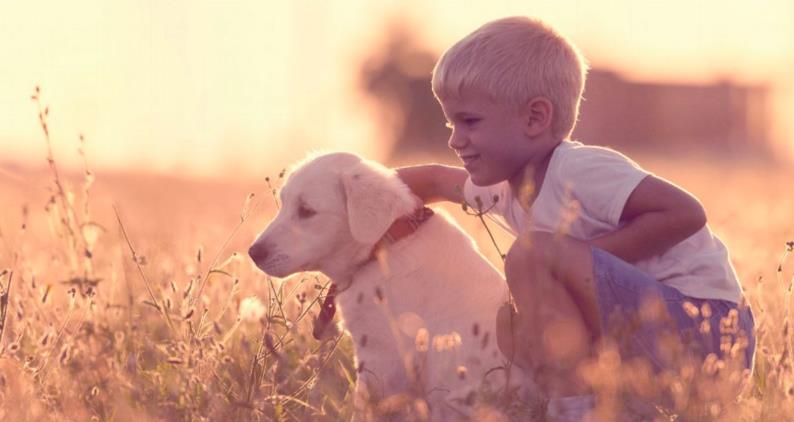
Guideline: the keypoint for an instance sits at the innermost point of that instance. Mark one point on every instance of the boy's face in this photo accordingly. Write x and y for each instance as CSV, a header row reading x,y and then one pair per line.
x,y
490,138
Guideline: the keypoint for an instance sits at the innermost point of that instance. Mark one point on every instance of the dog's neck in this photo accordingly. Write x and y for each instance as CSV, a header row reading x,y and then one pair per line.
x,y
342,278
348,259
345,262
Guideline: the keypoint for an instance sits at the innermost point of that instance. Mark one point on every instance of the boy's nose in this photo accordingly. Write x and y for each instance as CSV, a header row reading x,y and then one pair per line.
x,y
456,141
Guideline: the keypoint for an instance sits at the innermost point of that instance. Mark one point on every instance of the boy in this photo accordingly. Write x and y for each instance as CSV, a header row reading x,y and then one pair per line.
x,y
597,236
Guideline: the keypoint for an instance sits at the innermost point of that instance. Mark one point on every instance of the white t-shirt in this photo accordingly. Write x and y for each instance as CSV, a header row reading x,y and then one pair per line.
x,y
583,195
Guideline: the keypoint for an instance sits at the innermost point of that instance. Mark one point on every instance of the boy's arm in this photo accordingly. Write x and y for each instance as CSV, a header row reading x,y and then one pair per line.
x,y
434,182
657,215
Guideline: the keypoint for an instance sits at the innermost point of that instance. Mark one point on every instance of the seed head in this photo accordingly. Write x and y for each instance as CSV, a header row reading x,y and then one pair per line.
x,y
422,340
462,372
379,294
691,310
251,309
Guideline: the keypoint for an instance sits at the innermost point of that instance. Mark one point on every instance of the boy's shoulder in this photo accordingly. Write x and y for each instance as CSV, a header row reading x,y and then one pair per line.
x,y
579,149
600,179
590,172
575,158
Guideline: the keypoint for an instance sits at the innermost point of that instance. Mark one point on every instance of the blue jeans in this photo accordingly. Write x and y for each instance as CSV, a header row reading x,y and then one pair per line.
x,y
632,308
622,290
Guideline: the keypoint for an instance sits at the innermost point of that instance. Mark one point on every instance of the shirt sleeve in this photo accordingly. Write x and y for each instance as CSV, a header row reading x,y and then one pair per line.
x,y
601,180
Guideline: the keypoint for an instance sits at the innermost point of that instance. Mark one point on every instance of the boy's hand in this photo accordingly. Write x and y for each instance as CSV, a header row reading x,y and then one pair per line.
x,y
657,216
434,182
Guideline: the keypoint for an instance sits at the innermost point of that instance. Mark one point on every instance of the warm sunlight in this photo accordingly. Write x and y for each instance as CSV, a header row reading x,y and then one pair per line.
x,y
190,230
218,88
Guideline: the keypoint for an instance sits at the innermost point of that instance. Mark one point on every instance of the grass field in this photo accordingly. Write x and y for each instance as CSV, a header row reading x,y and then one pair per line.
x,y
127,297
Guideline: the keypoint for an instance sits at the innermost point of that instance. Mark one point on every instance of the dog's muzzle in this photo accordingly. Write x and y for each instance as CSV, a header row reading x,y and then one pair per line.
x,y
258,252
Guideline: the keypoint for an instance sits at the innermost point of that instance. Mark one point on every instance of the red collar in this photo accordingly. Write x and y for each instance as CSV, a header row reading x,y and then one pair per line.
x,y
406,225
402,227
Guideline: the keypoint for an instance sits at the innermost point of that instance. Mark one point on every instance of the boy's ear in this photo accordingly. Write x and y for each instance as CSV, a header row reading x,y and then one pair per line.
x,y
374,199
538,115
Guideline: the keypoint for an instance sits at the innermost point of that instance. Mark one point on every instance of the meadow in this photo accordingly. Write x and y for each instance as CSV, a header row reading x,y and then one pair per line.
x,y
129,296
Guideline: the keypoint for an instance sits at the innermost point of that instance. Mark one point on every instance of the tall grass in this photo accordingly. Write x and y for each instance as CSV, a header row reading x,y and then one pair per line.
x,y
102,320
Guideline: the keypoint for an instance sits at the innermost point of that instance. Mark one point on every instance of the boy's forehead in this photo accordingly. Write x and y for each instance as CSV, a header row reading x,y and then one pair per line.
x,y
468,103
462,101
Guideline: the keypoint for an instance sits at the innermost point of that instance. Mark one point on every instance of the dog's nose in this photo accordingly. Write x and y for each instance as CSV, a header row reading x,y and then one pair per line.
x,y
258,252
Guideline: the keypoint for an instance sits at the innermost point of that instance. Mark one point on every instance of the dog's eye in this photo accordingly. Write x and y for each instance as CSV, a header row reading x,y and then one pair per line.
x,y
305,212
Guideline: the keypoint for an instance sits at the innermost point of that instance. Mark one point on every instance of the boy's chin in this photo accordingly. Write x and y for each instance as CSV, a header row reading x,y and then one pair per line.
x,y
482,180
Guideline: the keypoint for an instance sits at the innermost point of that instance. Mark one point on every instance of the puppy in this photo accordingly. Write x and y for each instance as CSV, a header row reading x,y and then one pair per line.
x,y
416,295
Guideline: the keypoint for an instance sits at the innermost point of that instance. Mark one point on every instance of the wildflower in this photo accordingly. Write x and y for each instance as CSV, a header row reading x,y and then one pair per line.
x,y
270,344
379,295
251,309
65,356
422,409
691,310
422,340
446,341
462,372
715,409
705,310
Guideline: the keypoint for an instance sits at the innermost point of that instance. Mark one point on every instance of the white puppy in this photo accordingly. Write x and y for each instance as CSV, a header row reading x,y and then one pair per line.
x,y
423,313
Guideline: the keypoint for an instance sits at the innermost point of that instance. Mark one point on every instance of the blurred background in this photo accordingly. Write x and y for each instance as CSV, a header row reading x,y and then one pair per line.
x,y
239,88
187,106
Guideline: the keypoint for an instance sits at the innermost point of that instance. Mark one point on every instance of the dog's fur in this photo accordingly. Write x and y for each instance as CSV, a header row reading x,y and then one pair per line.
x,y
335,208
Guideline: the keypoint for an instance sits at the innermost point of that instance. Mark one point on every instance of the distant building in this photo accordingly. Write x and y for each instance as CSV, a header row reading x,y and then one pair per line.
x,y
722,116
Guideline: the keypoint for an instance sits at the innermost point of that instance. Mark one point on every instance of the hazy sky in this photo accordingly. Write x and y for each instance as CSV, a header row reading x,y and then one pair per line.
x,y
224,86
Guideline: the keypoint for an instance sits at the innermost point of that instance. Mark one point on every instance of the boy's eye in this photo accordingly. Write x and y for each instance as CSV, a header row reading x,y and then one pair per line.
x,y
305,212
468,122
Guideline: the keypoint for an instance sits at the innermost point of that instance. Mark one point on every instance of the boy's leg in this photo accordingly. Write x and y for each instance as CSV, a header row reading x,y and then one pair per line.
x,y
551,280
562,286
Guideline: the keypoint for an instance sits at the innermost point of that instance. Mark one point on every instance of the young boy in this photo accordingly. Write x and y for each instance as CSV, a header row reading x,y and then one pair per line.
x,y
598,238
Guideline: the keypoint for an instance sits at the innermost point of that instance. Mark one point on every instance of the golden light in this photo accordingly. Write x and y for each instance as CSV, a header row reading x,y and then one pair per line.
x,y
227,88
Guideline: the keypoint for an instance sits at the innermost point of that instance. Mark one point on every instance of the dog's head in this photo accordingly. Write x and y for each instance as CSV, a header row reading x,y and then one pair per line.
x,y
334,207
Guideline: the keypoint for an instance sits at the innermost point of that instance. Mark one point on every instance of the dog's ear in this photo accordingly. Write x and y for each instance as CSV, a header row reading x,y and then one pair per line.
x,y
375,198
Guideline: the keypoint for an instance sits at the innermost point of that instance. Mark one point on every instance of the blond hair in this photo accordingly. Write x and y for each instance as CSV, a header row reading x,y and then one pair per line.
x,y
514,60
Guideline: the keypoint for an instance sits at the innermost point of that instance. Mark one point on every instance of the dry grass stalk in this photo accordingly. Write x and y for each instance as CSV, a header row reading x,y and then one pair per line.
x,y
87,350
